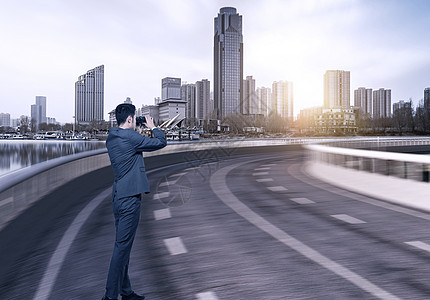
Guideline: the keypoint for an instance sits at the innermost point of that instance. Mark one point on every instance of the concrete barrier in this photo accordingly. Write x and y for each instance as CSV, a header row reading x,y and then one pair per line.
x,y
21,188
395,177
24,187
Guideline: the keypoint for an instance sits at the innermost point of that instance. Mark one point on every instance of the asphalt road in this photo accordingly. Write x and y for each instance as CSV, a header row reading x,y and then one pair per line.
x,y
245,227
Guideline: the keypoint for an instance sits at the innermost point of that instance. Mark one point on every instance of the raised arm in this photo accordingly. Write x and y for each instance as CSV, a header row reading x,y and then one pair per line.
x,y
146,144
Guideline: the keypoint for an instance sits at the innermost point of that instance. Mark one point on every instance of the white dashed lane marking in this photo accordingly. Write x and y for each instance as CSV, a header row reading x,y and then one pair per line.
x,y
348,219
218,183
264,179
175,246
207,296
161,195
167,183
260,173
419,245
277,188
162,214
262,169
302,200
269,165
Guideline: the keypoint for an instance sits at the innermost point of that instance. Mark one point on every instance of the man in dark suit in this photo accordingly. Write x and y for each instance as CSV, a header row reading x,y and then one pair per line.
x,y
125,147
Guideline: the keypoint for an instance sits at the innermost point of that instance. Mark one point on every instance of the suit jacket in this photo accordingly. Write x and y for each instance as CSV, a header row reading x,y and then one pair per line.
x,y
125,147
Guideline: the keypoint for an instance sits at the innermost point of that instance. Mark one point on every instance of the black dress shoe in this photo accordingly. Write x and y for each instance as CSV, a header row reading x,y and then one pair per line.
x,y
133,296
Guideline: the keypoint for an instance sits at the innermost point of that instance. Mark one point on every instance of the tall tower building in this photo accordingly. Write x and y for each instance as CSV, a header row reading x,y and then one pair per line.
x,y
41,101
282,99
228,62
89,96
38,111
264,96
382,103
5,120
427,97
188,94
363,100
336,89
203,99
250,101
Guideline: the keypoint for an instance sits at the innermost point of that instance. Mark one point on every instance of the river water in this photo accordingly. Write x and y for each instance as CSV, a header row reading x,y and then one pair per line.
x,y
17,154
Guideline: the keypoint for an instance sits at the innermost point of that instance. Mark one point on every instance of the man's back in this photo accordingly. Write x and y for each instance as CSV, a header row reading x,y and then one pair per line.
x,y
125,147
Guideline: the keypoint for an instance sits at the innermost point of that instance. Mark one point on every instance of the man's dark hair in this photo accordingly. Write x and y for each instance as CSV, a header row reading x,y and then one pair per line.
x,y
122,111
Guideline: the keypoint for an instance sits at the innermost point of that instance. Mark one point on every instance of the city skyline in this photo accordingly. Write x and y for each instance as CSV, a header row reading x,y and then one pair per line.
x,y
382,43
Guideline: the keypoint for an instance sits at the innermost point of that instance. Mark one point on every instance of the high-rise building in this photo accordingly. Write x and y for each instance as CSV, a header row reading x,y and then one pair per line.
x,y
264,96
250,100
382,103
363,100
41,101
188,94
228,63
204,104
170,88
5,120
427,97
336,89
282,99
171,103
38,111
402,105
89,96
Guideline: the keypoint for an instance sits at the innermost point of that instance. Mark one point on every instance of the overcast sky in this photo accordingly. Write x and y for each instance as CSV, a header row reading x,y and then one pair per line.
x,y
46,45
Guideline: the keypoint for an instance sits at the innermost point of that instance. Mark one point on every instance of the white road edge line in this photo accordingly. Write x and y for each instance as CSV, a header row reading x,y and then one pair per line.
x,y
262,169
219,187
178,174
47,283
348,219
175,246
162,214
419,245
207,296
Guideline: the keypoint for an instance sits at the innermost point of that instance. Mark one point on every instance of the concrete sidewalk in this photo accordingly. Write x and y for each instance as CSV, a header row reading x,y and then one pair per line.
x,y
405,192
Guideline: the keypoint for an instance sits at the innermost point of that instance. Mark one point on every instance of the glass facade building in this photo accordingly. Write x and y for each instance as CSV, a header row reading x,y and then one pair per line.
x,y
89,96
228,63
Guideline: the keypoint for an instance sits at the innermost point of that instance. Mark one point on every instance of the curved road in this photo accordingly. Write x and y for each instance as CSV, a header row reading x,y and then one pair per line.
x,y
246,227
